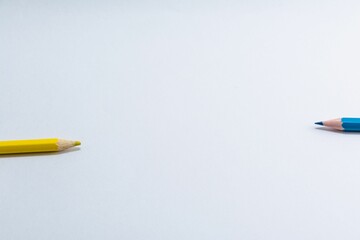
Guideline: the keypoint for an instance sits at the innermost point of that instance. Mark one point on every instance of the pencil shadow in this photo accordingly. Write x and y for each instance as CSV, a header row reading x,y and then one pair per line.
x,y
44,154
337,131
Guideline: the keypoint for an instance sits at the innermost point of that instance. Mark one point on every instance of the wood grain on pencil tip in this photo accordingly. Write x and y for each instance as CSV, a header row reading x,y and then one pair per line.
x,y
36,145
346,124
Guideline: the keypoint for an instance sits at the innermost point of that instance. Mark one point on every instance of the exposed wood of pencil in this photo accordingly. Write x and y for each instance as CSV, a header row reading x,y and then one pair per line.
x,y
36,145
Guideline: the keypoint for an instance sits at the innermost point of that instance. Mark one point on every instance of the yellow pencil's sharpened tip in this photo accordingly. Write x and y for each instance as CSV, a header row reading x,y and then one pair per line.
x,y
77,143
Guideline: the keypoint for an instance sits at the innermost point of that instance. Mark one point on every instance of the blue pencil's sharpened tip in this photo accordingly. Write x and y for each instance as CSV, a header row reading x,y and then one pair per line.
x,y
319,123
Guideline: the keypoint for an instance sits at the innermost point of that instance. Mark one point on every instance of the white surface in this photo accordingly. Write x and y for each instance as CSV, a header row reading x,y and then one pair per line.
x,y
195,118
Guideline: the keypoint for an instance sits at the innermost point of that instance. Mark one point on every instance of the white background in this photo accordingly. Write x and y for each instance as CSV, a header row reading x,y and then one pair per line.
x,y
196,119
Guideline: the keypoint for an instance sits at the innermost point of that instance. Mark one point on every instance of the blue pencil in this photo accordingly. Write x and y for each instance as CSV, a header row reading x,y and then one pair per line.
x,y
342,124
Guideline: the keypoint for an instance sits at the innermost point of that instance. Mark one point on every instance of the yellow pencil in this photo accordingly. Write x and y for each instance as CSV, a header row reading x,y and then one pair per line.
x,y
36,145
